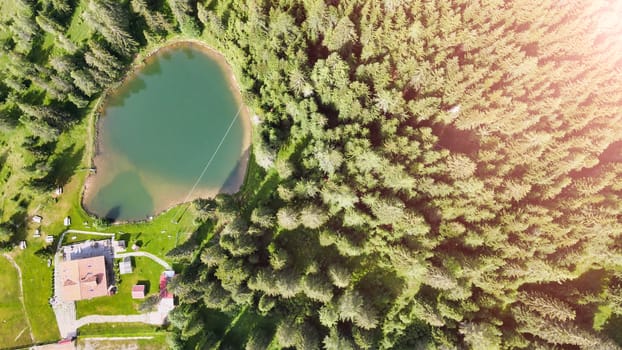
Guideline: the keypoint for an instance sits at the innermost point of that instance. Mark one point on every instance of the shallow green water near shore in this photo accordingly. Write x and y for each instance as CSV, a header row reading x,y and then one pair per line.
x,y
158,132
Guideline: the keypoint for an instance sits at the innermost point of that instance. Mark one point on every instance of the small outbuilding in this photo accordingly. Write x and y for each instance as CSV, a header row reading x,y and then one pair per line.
x,y
22,245
67,221
118,246
138,291
165,277
49,238
37,233
167,301
125,265
37,219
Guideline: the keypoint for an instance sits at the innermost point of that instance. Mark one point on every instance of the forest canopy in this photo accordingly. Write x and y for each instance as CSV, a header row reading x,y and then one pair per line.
x,y
429,174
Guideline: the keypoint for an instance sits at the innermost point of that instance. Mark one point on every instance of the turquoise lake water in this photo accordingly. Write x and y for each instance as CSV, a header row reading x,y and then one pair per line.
x,y
158,132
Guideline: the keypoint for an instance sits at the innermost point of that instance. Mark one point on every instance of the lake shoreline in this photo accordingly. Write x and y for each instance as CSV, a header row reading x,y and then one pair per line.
x,y
140,61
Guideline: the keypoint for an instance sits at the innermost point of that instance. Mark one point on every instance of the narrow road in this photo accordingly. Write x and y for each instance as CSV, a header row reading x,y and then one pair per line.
x,y
120,338
154,318
65,312
21,294
147,255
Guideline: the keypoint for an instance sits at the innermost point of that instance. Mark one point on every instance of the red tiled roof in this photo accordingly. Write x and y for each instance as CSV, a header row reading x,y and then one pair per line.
x,y
164,293
138,291
83,278
138,288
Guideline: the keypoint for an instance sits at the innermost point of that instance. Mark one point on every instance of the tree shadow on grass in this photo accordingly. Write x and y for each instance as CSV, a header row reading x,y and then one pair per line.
x,y
612,154
183,252
18,226
248,323
46,252
612,329
65,164
590,282
125,237
145,283
38,52
63,167
3,158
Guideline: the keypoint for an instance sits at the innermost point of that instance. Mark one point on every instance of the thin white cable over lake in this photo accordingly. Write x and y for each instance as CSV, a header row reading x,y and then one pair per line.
x,y
209,162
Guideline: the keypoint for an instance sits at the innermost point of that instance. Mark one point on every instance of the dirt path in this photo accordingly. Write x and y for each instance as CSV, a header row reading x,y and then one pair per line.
x,y
117,343
21,294
120,338
154,318
68,324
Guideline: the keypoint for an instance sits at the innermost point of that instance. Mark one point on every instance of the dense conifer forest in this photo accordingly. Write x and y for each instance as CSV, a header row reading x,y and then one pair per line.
x,y
425,174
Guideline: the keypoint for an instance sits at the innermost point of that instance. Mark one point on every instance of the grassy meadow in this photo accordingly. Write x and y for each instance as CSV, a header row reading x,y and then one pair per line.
x,y
94,336
13,325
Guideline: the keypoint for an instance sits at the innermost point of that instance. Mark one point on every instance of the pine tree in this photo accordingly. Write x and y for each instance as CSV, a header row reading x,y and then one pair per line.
x,y
111,20
547,306
288,218
312,217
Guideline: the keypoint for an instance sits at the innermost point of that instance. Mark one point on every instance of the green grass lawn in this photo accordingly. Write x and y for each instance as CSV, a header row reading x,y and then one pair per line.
x,y
78,30
155,343
111,330
160,235
12,177
232,331
120,330
37,281
7,8
71,238
157,237
246,323
157,336
12,320
146,272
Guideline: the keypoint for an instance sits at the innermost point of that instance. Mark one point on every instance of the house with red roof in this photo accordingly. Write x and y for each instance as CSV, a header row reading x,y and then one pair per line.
x,y
165,277
138,291
83,278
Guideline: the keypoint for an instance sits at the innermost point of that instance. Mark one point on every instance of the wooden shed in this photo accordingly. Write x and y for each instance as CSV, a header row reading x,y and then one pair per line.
x,y
138,291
